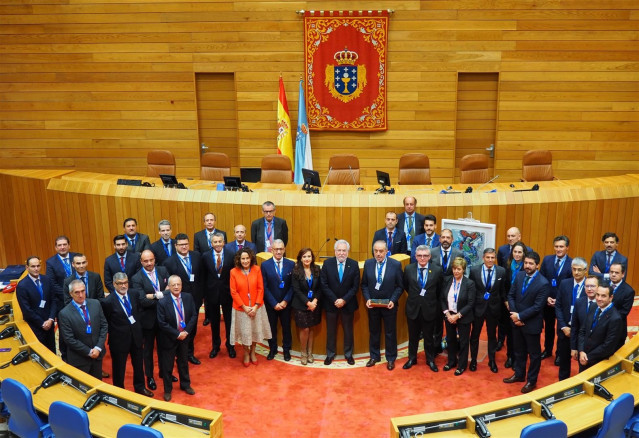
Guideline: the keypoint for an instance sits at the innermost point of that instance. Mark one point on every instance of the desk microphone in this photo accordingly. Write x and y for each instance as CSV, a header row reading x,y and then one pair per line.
x,y
487,182
326,179
353,177
322,247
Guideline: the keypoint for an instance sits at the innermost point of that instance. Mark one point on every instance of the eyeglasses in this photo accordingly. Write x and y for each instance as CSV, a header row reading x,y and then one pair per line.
x,y
120,283
268,211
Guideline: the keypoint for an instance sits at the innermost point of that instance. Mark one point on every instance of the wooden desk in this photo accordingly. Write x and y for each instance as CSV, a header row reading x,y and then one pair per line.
x,y
506,427
448,421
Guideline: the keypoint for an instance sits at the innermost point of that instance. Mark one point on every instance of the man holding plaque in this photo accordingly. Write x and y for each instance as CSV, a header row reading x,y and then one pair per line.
x,y
382,285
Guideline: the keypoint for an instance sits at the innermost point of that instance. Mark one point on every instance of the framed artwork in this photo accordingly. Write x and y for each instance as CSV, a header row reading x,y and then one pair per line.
x,y
472,238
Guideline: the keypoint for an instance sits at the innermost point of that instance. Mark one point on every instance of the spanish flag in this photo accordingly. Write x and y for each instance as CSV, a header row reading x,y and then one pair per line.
x,y
284,138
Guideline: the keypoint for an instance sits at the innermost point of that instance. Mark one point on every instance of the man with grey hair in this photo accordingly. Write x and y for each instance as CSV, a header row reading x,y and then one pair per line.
x,y
164,247
265,230
569,291
340,281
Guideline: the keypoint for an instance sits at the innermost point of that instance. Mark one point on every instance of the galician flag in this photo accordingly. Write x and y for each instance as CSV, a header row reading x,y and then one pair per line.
x,y
303,156
284,139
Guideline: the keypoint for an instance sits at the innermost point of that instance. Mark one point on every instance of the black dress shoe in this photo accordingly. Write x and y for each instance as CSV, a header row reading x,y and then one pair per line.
x,y
500,345
473,365
449,366
350,360
194,360
371,362
493,366
232,353
390,365
167,396
513,379
508,363
206,321
146,392
150,382
528,387
557,361
409,364
214,353
271,355
189,390
545,354
433,367
328,360
287,355
174,379
105,375
459,371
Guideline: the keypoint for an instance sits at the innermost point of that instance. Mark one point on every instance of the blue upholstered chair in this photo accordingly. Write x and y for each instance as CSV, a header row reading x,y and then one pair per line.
x,y
615,417
545,429
135,431
68,421
24,420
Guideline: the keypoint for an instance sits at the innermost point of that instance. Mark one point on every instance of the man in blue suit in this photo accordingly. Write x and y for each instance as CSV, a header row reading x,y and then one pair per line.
x,y
59,267
240,241
278,293
120,261
382,279
394,237
37,301
585,304
138,242
429,237
410,222
602,260
526,301
555,268
164,247
623,298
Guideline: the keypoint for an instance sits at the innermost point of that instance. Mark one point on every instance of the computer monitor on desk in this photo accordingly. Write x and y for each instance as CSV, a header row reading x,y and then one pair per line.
x,y
311,181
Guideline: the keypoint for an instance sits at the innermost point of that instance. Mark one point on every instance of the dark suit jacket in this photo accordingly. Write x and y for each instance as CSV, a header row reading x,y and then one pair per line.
x,y
175,266
73,330
272,292
399,240
599,260
201,240
258,233
167,320
530,305
141,283
420,239
218,285
332,288
418,221
498,290
232,246
465,299
579,314
564,303
142,242
623,300
159,250
122,334
96,289
600,343
301,289
29,300
392,283
503,254
427,306
436,259
112,265
548,270
56,273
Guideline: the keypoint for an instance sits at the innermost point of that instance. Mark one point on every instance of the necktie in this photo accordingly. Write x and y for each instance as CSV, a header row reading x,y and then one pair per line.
x,y
127,305
86,315
410,230
429,240
341,271
445,260
421,276
85,280
209,239
37,282
526,281
390,241
180,320
490,273
588,308
122,263
557,263
239,247
167,249
218,262
67,267
595,319
574,293
269,232
609,257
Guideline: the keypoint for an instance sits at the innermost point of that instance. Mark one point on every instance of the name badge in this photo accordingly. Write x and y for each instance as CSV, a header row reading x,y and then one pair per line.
x,y
423,292
486,295
219,275
192,278
268,244
310,294
571,309
88,329
554,283
377,286
131,319
43,303
182,325
282,284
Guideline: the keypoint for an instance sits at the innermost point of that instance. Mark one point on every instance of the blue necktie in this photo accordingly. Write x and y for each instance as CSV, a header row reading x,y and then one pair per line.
x,y
341,272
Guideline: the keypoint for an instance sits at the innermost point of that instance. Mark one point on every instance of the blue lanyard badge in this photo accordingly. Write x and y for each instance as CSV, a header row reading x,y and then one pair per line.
x,y
186,261
487,279
456,287
156,283
309,281
65,265
279,273
514,269
525,286
180,311
598,315
85,316
422,277
561,265
380,269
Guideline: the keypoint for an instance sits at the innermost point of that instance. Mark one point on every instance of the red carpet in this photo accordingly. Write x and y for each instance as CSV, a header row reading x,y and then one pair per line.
x,y
280,399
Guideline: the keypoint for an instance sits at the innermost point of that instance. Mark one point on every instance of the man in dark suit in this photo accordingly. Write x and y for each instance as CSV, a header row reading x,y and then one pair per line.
x,y
602,260
568,294
122,311
513,235
278,293
584,305
176,318
202,239
394,237
429,237
555,268
382,280
410,222
422,281
240,241
36,298
526,300
340,281
265,230
120,261
59,267
151,281
84,329
164,247
623,298
598,337
218,264
188,266
490,285
92,280
138,242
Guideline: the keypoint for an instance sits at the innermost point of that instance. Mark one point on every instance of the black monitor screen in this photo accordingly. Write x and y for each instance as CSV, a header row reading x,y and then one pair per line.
x,y
232,182
311,177
383,178
169,180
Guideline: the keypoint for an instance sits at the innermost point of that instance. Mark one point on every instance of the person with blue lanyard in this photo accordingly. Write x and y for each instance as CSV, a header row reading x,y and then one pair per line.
x,y
307,292
411,222
164,247
137,242
60,266
602,260
393,236
265,230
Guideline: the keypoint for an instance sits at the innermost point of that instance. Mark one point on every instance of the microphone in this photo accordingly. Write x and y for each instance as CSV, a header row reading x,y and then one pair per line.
x,y
488,182
326,179
322,247
353,177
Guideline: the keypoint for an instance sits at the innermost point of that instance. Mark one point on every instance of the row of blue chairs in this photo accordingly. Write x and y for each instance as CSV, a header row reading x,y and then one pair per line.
x,y
65,420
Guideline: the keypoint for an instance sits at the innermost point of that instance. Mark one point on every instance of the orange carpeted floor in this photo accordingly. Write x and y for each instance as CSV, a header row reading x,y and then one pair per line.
x,y
280,399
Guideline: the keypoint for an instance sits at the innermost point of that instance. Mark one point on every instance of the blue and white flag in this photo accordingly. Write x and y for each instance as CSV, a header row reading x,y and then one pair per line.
x,y
303,156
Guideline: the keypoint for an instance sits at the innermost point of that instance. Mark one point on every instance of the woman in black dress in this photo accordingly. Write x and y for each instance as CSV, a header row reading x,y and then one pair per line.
x,y
306,295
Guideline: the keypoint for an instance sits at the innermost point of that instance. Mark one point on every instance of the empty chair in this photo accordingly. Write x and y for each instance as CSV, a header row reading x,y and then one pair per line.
x,y
214,166
616,415
344,170
276,169
545,429
414,169
24,420
160,162
537,166
135,431
474,169
68,421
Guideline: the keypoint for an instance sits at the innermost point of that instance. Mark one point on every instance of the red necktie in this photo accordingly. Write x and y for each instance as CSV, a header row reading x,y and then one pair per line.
x,y
122,263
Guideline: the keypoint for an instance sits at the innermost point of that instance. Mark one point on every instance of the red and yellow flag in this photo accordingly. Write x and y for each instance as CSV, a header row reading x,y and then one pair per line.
x,y
284,138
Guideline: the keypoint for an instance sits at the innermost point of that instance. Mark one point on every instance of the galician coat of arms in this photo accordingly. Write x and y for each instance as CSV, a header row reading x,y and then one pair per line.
x,y
346,80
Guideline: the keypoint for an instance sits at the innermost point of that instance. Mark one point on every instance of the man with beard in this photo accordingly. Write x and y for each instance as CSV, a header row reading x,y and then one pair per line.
x,y
120,261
